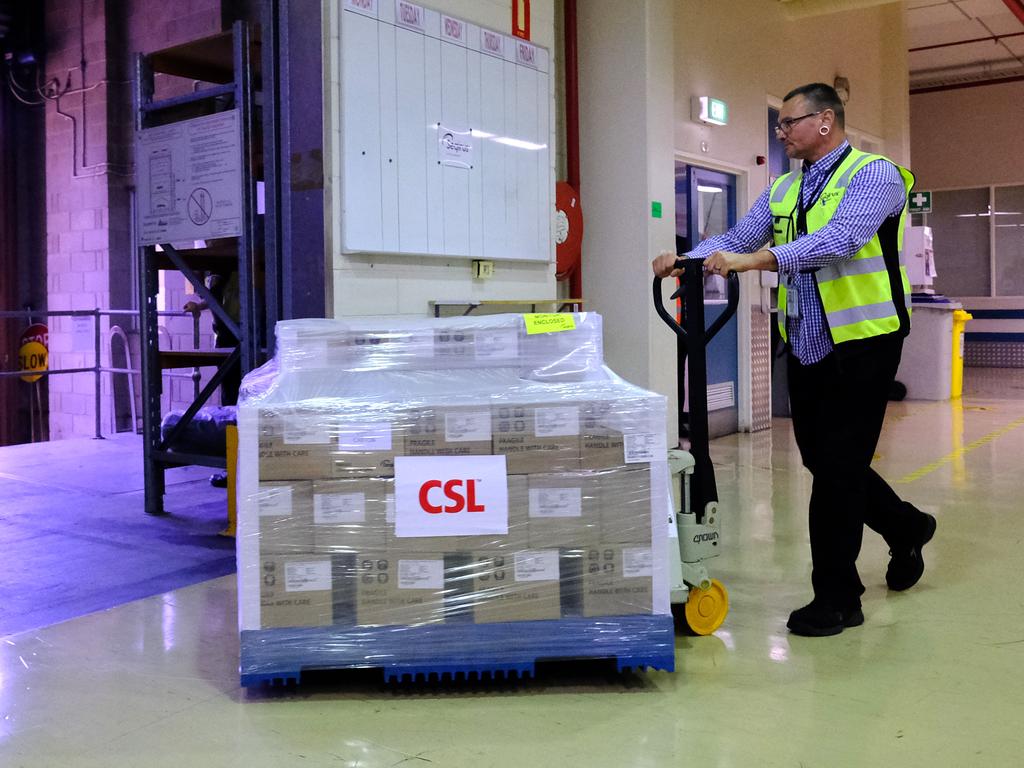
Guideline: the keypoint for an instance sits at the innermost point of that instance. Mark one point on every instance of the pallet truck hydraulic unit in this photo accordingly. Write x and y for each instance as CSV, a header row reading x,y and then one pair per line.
x,y
694,527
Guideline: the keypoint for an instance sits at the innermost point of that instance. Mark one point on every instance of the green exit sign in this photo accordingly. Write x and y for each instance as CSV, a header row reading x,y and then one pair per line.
x,y
718,111
710,110
920,202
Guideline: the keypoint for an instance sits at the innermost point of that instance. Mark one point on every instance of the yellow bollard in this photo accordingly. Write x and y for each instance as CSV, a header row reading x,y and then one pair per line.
x,y
232,441
960,319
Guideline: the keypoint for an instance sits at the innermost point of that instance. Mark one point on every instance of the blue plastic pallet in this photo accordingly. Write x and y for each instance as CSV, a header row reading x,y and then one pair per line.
x,y
455,651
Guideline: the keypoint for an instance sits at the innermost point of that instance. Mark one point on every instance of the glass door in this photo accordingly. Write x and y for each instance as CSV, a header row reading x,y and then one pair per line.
x,y
706,206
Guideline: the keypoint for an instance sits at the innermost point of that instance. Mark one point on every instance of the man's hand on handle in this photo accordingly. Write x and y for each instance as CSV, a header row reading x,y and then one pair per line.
x,y
718,263
664,265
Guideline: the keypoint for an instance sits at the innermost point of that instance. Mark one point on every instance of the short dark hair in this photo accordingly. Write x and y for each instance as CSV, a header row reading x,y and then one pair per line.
x,y
821,96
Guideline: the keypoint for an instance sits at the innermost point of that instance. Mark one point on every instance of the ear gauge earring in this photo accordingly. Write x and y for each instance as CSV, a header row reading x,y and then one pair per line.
x,y
824,130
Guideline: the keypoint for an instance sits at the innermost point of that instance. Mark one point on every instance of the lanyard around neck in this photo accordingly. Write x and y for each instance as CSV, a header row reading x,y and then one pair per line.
x,y
801,208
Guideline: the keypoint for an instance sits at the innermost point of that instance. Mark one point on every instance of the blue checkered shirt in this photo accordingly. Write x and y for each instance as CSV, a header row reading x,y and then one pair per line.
x,y
874,193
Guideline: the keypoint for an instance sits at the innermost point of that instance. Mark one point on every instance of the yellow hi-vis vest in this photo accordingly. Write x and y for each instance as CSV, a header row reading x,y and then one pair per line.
x,y
867,294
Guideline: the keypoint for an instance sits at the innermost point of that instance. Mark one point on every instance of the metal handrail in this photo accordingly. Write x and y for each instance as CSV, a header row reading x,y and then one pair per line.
x,y
116,331
97,368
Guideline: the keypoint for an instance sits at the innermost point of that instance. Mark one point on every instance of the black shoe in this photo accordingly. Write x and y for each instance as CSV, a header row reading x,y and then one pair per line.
x,y
821,619
906,564
220,480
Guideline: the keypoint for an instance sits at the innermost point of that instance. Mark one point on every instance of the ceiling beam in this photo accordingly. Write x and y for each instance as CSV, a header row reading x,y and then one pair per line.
x,y
958,86
993,38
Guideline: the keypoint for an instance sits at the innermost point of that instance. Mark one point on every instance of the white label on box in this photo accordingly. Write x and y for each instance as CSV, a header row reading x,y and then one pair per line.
x,y
313,354
496,345
305,430
537,565
637,562
389,509
556,502
421,574
467,426
275,501
308,576
364,436
333,508
557,422
420,343
641,448
451,343
450,496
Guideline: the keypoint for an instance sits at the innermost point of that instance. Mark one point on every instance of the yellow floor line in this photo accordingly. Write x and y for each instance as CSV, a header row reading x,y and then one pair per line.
x,y
926,470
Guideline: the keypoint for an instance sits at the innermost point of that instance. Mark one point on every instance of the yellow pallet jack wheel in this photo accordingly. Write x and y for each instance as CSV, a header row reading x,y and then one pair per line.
x,y
706,608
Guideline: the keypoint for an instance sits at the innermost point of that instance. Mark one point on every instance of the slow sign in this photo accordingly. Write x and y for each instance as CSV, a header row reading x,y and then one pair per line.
x,y
33,351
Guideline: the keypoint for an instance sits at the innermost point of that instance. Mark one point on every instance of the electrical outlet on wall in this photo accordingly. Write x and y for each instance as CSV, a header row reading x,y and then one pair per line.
x,y
483,269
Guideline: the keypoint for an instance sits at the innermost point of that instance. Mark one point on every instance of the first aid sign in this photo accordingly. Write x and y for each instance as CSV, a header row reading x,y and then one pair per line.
x,y
450,496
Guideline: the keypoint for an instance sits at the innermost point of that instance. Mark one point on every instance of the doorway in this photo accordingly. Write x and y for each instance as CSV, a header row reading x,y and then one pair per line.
x,y
706,206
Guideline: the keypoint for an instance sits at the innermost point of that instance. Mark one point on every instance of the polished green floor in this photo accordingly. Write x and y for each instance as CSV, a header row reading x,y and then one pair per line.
x,y
933,678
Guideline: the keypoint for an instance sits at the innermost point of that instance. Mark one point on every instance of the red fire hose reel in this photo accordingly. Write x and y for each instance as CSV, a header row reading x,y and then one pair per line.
x,y
568,229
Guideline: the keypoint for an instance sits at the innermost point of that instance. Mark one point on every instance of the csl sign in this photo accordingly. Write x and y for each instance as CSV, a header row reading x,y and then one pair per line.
x,y
460,496
450,496
33,351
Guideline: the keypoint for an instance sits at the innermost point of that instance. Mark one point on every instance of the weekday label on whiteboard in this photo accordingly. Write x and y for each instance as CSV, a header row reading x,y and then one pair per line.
x,y
409,15
492,43
526,54
365,7
453,30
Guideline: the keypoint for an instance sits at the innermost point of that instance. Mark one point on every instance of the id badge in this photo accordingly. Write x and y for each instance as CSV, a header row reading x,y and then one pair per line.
x,y
792,299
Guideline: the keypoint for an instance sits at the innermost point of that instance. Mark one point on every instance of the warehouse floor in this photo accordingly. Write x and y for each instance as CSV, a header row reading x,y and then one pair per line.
x,y
932,678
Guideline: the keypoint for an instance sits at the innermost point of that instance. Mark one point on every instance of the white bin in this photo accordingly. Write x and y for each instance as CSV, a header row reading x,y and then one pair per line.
x,y
926,367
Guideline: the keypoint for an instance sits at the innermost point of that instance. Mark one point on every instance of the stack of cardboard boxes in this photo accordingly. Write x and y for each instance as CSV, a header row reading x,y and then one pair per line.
x,y
579,540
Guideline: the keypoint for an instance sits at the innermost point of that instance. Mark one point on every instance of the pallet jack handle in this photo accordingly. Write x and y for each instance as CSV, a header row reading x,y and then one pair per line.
x,y
694,337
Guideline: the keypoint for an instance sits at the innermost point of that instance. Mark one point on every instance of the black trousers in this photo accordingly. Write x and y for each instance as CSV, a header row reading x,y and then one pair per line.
x,y
838,406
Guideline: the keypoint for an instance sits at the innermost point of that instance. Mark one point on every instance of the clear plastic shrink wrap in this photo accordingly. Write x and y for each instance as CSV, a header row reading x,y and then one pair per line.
x,y
399,477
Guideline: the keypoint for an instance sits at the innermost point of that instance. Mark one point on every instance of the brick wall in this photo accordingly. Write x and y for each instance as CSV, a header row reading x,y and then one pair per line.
x,y
88,200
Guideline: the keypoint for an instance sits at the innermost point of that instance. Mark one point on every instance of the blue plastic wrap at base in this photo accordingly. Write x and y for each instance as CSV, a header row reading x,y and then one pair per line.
x,y
456,651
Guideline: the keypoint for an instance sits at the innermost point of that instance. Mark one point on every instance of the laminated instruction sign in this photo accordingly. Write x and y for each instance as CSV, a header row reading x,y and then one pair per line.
x,y
188,177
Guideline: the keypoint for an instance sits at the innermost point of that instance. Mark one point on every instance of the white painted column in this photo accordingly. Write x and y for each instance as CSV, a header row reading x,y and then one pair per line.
x,y
627,108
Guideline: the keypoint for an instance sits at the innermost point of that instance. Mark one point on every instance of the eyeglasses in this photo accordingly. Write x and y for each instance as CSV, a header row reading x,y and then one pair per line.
x,y
785,126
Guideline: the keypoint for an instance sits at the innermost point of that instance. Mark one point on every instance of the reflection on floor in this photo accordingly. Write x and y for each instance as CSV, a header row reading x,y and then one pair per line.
x,y
931,679
73,520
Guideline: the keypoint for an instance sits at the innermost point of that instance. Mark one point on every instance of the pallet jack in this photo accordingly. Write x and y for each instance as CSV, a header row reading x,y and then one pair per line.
x,y
694,527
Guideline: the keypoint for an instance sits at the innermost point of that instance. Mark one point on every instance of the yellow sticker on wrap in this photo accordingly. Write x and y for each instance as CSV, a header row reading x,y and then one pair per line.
x,y
550,322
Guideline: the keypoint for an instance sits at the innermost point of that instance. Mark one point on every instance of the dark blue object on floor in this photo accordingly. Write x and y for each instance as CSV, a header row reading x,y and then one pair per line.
x,y
455,651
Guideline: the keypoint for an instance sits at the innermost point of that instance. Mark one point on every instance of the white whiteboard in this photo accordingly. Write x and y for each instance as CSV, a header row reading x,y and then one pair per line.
x,y
445,129
188,180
